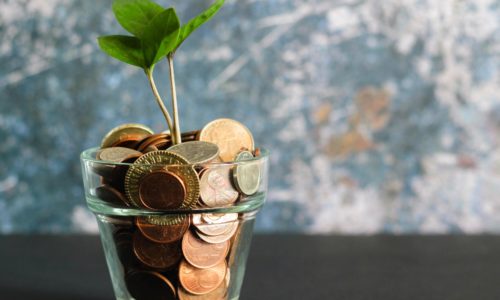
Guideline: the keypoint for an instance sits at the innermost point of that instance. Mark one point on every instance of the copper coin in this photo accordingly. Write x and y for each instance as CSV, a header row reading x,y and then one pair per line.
x,y
229,135
150,140
201,281
156,255
202,254
128,141
110,195
143,285
162,190
215,187
218,294
124,132
162,233
214,228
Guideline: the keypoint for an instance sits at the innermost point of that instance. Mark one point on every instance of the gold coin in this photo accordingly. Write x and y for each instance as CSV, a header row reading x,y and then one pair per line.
x,y
196,152
201,281
216,189
118,133
230,135
246,174
162,160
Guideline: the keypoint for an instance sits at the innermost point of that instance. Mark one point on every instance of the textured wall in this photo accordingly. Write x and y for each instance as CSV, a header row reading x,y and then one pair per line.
x,y
380,115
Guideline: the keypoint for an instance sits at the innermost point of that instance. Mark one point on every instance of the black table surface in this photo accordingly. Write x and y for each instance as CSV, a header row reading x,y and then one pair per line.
x,y
279,267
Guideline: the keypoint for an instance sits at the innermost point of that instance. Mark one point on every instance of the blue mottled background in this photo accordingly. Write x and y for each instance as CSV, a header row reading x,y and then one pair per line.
x,y
382,116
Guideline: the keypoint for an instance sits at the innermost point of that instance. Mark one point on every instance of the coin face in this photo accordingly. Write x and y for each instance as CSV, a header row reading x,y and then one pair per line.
x,y
143,285
117,154
162,160
217,227
196,152
156,255
201,254
201,281
161,190
217,294
215,187
168,233
123,132
246,175
230,135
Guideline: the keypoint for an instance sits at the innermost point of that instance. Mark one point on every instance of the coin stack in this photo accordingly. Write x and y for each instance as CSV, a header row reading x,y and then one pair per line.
x,y
181,255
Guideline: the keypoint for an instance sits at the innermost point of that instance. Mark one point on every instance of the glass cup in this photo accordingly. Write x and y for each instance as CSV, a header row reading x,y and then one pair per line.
x,y
197,251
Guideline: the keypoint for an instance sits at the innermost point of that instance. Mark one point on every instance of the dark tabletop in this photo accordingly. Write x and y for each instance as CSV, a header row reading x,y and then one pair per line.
x,y
280,267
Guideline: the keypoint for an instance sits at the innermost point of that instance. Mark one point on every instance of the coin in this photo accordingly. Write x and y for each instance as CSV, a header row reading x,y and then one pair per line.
x,y
214,228
201,281
215,239
201,254
124,132
156,255
143,285
215,187
215,218
161,190
117,154
229,135
196,152
162,233
162,160
246,174
111,195
218,294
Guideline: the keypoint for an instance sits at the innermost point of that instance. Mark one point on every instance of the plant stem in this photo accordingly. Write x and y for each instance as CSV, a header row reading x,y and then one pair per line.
x,y
177,129
164,110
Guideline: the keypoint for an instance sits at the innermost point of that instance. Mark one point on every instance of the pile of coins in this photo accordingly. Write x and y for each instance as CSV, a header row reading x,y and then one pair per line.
x,y
178,256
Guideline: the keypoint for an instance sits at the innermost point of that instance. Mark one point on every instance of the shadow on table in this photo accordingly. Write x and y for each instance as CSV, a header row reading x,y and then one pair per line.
x,y
9,293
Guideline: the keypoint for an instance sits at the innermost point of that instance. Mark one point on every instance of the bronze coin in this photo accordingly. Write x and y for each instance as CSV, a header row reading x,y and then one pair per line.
x,y
156,255
162,233
162,190
143,285
202,254
201,281
218,294
111,195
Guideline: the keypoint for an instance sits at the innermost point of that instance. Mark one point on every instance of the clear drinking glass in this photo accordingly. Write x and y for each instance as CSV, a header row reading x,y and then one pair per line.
x,y
197,252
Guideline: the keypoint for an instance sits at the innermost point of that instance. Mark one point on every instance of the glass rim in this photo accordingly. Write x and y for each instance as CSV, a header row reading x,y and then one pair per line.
x,y
87,156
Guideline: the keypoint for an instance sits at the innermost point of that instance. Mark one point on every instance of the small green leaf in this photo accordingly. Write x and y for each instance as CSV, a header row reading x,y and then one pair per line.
x,y
134,15
196,22
125,48
160,36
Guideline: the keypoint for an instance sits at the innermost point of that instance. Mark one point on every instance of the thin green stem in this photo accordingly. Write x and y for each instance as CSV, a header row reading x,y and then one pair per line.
x,y
164,110
177,129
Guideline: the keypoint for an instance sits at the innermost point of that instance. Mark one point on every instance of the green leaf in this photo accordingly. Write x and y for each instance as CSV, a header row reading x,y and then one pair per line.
x,y
196,22
134,15
125,48
160,36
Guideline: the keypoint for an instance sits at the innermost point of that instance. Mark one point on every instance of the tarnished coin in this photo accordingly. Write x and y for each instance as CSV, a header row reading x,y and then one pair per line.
x,y
230,135
215,239
202,254
201,281
246,173
111,195
216,188
162,160
156,255
143,285
219,293
117,154
124,132
196,152
162,233
214,228
161,190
